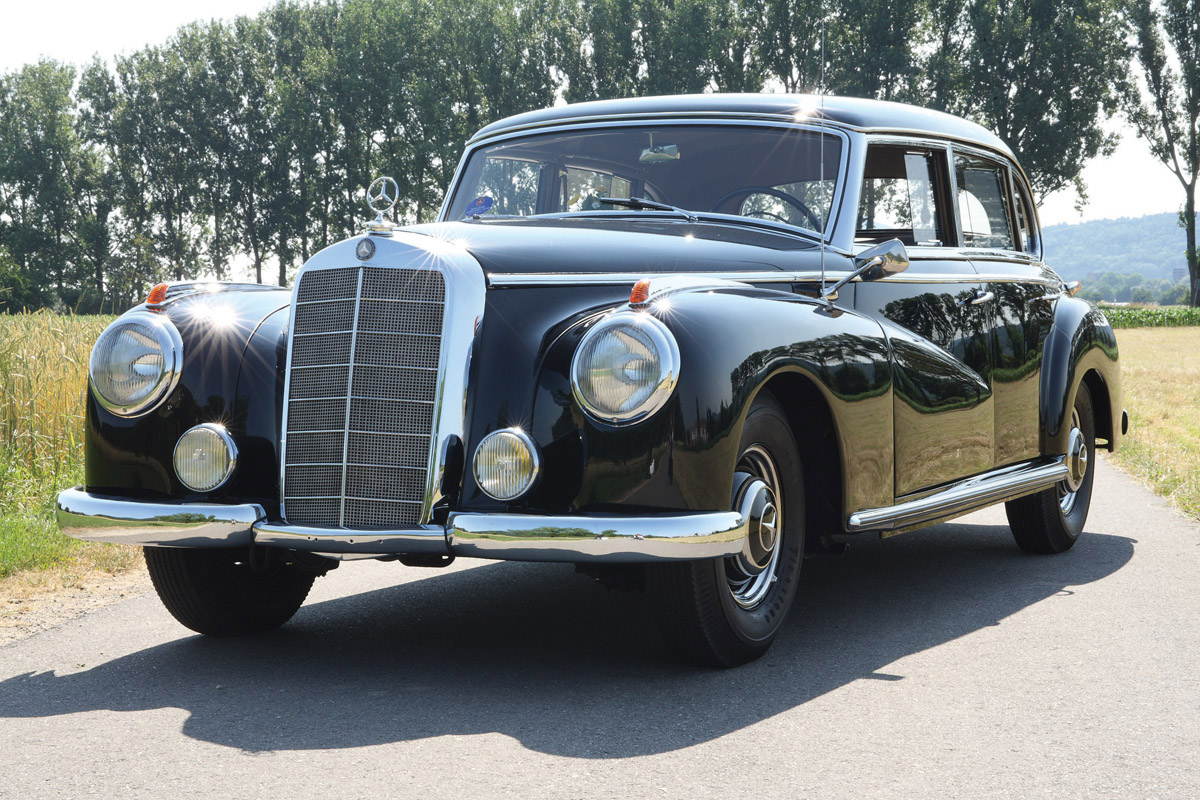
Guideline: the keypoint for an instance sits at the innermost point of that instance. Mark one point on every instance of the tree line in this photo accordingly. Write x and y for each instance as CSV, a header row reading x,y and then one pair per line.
x,y
253,139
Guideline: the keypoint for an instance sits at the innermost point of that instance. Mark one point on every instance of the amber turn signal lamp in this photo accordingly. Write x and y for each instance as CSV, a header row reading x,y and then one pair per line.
x,y
640,293
157,295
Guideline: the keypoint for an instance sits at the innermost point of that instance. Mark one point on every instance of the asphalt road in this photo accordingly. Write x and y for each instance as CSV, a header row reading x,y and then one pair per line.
x,y
939,663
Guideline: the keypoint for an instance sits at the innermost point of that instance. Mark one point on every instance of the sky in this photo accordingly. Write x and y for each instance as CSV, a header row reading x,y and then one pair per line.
x,y
1130,183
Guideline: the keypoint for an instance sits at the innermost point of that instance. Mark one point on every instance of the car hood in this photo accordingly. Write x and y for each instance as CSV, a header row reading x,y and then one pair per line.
x,y
622,244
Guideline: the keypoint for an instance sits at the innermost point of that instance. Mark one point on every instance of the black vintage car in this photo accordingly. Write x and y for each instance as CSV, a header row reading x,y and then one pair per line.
x,y
685,339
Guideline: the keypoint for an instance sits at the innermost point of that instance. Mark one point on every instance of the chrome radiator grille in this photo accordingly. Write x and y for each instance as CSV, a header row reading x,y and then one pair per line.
x,y
362,387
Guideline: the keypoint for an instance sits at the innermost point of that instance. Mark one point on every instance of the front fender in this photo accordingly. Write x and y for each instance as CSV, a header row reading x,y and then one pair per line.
x,y
1080,342
735,344
219,330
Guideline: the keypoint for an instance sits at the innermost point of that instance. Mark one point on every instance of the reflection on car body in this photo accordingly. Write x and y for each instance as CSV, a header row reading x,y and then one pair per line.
x,y
678,341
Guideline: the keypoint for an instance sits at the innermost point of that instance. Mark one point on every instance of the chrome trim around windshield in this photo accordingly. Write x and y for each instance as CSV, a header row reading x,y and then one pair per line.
x,y
123,520
1007,483
465,297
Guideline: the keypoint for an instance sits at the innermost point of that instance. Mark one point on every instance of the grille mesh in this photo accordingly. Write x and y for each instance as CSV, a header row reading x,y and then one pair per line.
x,y
380,449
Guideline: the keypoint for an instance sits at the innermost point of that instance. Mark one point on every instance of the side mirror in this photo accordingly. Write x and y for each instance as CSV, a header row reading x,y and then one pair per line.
x,y
880,261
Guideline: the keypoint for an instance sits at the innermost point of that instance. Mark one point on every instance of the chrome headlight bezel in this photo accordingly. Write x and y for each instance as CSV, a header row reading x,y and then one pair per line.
x,y
231,453
530,481
663,386
169,342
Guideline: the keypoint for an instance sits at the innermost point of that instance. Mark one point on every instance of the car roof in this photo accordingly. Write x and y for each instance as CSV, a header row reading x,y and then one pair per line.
x,y
876,116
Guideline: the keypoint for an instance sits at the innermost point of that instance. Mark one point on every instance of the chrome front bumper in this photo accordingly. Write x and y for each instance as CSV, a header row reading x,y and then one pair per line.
x,y
515,537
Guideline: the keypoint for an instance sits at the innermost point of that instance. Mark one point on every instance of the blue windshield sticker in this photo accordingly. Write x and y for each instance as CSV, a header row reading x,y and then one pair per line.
x,y
479,206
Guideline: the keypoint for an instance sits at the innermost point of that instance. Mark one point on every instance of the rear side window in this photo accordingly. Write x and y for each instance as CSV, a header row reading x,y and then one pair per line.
x,y
983,203
902,197
1026,224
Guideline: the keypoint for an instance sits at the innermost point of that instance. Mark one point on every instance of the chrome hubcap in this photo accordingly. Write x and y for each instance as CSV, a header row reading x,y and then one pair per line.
x,y
751,573
1077,466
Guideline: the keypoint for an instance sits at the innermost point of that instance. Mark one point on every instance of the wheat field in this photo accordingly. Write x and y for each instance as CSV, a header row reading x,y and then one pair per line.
x,y
1160,369
43,372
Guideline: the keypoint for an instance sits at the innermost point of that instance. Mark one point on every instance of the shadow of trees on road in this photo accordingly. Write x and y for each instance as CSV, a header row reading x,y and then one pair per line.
x,y
538,653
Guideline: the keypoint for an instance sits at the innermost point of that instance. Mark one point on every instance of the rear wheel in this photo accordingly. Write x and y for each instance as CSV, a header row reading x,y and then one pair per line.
x,y
725,612
228,592
1051,520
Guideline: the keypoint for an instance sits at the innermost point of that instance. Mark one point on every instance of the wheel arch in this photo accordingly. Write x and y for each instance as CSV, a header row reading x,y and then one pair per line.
x,y
807,408
1081,347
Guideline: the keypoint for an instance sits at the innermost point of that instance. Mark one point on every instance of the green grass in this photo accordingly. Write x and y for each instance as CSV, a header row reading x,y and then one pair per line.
x,y
1151,316
43,373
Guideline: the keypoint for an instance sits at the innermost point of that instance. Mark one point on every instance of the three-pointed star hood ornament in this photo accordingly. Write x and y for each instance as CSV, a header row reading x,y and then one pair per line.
x,y
382,196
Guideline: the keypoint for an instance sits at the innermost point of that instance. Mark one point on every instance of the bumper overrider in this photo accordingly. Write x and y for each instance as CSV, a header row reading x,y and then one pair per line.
x,y
518,537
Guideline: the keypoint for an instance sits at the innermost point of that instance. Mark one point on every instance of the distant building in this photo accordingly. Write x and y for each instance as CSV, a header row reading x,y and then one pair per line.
x,y
1179,274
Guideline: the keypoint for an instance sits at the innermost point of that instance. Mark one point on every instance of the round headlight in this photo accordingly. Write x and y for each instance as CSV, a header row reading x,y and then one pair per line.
x,y
135,363
625,368
506,464
205,457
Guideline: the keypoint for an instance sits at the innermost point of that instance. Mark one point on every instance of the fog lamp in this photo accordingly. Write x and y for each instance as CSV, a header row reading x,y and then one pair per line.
x,y
205,457
506,464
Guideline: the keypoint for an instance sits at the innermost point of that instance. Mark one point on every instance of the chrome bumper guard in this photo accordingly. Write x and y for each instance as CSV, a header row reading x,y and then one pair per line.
x,y
514,537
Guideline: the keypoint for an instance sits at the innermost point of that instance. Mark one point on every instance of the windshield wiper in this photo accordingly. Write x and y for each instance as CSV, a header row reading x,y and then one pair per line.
x,y
654,205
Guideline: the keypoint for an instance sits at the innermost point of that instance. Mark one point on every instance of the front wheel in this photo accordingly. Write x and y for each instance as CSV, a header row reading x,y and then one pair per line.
x,y
227,592
1051,520
726,612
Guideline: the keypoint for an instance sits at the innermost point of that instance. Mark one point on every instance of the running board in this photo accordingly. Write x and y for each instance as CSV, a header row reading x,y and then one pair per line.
x,y
961,498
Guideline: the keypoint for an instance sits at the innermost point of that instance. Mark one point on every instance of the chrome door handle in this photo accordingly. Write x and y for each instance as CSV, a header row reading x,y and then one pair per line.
x,y
977,299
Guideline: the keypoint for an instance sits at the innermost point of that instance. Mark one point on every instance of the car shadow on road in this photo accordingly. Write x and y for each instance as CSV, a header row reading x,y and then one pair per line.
x,y
548,657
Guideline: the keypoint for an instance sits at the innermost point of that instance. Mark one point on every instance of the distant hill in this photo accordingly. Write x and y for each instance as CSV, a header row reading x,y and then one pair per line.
x,y
1152,246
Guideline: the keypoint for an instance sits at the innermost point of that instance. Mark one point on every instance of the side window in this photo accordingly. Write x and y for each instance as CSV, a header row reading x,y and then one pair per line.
x,y
983,203
1026,220
902,197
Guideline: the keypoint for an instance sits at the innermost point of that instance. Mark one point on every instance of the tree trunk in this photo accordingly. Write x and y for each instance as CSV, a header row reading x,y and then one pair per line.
x,y
1193,255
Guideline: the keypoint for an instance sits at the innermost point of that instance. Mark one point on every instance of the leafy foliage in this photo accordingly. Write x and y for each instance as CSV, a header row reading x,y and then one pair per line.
x,y
251,140
1141,317
1164,102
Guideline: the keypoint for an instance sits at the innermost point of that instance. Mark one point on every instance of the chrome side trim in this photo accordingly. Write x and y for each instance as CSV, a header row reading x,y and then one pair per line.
x,y
614,539
103,518
1007,483
520,279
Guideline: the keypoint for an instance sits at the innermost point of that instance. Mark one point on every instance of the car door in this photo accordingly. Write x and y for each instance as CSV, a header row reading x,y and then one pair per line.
x,y
1000,234
935,315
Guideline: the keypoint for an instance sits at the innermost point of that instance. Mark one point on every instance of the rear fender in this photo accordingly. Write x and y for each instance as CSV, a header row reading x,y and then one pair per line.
x,y
1081,343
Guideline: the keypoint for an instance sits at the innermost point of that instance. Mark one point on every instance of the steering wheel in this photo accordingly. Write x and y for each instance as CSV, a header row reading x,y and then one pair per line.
x,y
791,200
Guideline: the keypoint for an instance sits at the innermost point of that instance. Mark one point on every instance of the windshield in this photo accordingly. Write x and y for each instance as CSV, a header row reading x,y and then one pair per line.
x,y
781,174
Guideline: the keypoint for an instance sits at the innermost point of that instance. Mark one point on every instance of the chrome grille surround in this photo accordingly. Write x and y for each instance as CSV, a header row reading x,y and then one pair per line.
x,y
376,382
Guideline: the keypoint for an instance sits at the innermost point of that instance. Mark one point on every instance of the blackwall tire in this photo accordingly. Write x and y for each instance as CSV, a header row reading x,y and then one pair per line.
x,y
1052,520
217,592
713,612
